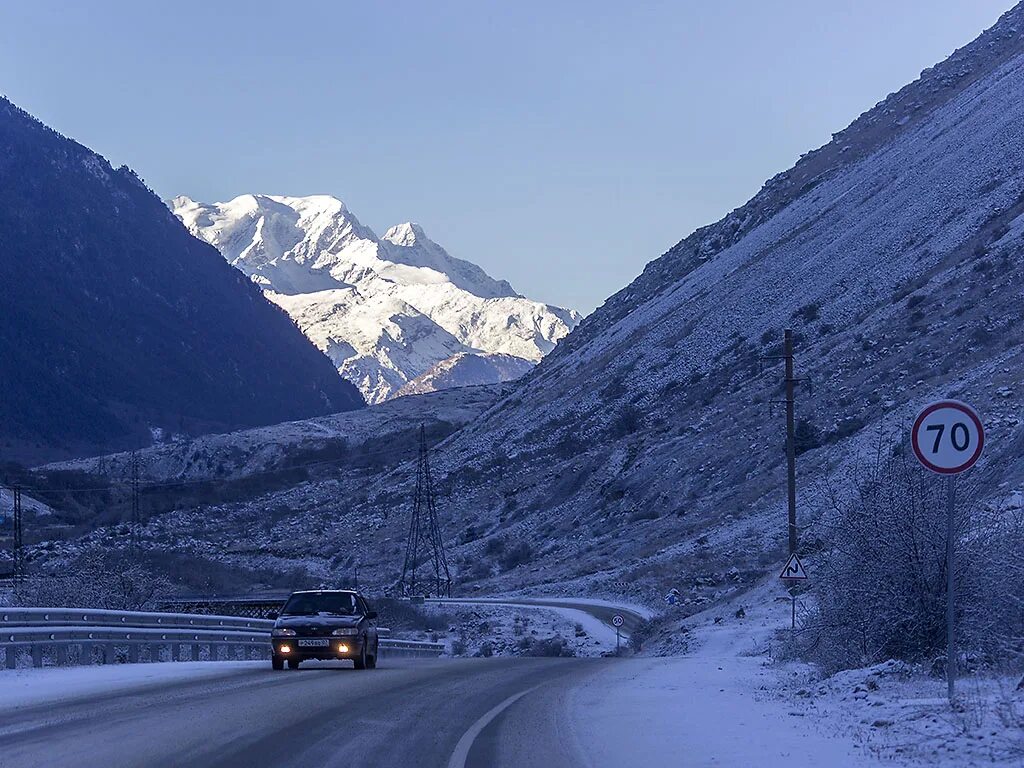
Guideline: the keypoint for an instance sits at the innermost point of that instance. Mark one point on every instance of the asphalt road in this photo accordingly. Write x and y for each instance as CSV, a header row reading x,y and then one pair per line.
x,y
481,713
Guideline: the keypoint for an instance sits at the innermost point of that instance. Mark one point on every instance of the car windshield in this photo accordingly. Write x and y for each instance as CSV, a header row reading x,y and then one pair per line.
x,y
312,603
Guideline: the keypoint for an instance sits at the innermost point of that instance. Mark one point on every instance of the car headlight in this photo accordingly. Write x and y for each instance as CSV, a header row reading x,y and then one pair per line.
x,y
282,632
345,631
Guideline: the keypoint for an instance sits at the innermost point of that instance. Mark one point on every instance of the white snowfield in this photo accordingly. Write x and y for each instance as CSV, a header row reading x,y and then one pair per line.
x,y
711,707
724,702
384,309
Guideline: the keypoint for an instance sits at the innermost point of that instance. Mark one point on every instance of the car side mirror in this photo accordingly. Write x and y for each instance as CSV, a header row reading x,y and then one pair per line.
x,y
272,615
371,614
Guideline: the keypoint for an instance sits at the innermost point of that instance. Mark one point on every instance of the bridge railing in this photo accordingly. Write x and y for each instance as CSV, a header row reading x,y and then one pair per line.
x,y
84,636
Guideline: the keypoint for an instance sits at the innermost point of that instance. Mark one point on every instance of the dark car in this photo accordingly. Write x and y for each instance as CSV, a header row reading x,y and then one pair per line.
x,y
325,624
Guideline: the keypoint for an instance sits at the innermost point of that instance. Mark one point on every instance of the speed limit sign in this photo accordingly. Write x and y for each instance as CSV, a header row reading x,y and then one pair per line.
x,y
617,620
948,437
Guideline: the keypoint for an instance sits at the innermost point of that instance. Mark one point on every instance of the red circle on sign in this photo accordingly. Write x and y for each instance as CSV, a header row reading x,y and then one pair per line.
x,y
969,413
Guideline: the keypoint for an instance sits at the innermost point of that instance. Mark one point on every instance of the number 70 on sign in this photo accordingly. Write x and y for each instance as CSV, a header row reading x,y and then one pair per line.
x,y
948,437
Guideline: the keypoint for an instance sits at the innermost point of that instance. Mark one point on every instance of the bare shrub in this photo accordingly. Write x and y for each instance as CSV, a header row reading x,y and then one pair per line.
x,y
110,580
519,554
404,615
880,587
550,646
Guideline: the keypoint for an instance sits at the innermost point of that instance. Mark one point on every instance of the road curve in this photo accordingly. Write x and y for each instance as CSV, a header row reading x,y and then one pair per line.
x,y
599,610
411,713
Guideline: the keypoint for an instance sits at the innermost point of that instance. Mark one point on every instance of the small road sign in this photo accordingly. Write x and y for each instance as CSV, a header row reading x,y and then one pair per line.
x,y
617,621
794,570
948,437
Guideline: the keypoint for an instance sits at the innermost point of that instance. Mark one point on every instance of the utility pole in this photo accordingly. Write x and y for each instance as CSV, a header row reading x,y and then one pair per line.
x,y
790,381
787,353
19,551
425,533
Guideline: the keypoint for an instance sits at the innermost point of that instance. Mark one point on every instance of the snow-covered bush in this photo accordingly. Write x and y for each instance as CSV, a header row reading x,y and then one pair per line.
x,y
880,588
110,580
549,646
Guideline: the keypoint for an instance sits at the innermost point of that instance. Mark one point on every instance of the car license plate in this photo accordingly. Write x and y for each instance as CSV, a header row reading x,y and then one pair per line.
x,y
314,642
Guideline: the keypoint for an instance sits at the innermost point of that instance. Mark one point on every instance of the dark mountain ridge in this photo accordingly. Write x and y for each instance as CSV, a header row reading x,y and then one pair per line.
x,y
117,322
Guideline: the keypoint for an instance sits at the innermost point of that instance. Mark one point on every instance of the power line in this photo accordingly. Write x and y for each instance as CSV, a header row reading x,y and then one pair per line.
x,y
144,486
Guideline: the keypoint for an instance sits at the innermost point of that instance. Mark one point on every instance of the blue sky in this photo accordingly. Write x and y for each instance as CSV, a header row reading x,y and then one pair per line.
x,y
560,145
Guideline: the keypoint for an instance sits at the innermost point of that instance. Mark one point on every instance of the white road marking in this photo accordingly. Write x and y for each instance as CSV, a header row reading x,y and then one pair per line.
x,y
461,753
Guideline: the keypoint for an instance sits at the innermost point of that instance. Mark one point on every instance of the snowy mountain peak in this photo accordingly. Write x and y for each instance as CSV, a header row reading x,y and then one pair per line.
x,y
385,310
407,234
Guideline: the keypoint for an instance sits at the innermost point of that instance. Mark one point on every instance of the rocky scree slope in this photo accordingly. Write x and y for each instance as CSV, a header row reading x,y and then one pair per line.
x,y
385,310
117,322
643,453
467,369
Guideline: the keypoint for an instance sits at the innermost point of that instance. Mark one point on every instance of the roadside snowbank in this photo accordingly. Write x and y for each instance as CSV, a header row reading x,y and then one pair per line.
x,y
698,711
27,687
725,703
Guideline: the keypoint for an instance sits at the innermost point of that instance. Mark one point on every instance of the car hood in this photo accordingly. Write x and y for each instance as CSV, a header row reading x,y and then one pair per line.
x,y
332,622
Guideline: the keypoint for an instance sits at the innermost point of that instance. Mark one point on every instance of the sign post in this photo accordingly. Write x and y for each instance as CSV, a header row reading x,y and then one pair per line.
x,y
948,439
617,622
792,572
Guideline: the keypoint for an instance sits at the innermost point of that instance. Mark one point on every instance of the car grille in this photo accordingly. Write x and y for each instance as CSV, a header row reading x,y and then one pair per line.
x,y
312,631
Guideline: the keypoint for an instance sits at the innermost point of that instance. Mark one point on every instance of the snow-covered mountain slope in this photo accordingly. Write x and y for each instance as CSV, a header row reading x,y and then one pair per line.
x,y
645,447
385,310
643,454
467,369
244,453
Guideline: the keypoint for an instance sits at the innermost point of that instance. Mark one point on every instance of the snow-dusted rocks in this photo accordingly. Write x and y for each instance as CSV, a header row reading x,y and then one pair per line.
x,y
385,310
465,370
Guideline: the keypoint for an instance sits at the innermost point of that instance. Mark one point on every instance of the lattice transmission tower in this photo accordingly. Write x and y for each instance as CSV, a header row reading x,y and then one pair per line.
x,y
424,543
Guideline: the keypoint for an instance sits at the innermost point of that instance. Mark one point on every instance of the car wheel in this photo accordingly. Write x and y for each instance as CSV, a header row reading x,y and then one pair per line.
x,y
360,660
276,662
293,663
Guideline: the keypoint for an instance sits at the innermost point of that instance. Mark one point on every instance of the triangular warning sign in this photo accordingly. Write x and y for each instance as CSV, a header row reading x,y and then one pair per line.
x,y
794,569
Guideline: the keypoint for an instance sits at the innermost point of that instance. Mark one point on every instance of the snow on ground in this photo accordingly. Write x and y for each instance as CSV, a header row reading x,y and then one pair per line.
x,y
27,687
509,630
902,717
697,711
725,702
711,707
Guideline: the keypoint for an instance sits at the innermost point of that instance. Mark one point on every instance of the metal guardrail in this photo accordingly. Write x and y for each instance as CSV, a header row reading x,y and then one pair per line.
x,y
36,630
32,617
391,647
